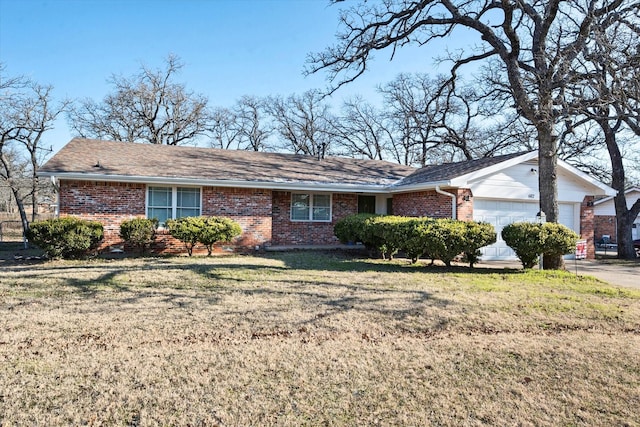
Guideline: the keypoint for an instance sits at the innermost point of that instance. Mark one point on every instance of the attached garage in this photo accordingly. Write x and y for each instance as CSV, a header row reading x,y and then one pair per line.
x,y
499,190
502,212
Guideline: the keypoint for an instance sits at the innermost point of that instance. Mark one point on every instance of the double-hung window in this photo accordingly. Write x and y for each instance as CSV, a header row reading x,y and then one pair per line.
x,y
310,207
165,203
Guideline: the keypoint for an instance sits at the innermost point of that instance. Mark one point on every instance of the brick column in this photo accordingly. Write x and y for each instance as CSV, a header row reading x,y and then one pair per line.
x,y
464,201
587,222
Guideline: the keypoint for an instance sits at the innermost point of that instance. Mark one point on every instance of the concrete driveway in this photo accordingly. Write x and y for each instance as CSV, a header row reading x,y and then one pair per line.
x,y
617,272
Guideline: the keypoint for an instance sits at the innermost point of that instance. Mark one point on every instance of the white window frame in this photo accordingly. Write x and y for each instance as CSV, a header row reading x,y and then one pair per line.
x,y
174,199
311,203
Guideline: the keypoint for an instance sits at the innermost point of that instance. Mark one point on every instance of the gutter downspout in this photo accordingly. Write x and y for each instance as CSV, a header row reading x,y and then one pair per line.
x,y
56,189
454,201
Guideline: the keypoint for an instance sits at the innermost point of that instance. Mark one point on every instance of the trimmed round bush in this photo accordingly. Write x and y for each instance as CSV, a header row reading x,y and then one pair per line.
x,y
202,229
525,238
529,240
139,232
350,229
477,235
558,239
66,237
217,229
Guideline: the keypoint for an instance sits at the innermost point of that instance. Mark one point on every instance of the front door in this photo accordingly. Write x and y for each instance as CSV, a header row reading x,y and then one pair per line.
x,y
367,204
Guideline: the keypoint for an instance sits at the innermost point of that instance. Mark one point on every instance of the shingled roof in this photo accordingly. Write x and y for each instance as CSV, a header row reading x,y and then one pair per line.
x,y
92,159
95,159
449,171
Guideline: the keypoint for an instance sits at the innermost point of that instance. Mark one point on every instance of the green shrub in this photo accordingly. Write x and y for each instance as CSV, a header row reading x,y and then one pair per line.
x,y
526,239
139,232
201,229
217,229
529,240
558,239
66,237
414,234
186,229
379,233
448,240
477,235
351,228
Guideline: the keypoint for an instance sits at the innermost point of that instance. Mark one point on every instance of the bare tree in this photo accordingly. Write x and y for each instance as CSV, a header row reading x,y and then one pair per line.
x,y
254,126
362,131
26,113
148,107
534,42
415,110
224,129
610,97
303,122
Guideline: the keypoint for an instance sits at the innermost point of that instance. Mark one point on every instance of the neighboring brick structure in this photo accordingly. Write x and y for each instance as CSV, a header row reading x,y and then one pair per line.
x,y
287,232
422,203
605,224
587,220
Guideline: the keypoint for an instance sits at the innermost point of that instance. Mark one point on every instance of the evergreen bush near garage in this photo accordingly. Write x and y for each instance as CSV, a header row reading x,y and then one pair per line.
x,y
443,239
558,239
526,240
529,240
477,235
139,232
66,237
205,230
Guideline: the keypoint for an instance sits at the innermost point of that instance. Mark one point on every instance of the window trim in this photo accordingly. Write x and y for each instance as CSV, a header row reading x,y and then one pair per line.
x,y
174,199
311,204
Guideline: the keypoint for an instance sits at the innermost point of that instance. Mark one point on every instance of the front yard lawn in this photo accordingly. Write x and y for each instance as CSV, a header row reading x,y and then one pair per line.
x,y
312,339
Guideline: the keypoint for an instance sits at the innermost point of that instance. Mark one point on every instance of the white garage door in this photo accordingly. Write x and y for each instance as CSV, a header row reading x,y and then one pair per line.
x,y
500,213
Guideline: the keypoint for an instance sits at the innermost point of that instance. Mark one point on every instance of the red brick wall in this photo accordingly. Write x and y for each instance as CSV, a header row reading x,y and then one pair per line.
x,y
587,223
111,203
422,203
107,202
249,207
287,232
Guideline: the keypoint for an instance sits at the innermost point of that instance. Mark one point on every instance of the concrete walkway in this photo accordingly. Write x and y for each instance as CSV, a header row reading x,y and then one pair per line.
x,y
615,271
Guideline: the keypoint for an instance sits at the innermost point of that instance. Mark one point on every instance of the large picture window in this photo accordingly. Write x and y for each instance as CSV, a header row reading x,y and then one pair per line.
x,y
310,207
166,203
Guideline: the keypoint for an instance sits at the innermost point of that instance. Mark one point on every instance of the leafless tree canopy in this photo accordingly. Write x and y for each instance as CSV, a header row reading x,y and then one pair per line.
x,y
303,123
607,96
149,107
535,43
27,111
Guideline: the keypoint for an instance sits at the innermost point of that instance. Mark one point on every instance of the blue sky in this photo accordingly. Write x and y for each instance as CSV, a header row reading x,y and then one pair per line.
x,y
229,48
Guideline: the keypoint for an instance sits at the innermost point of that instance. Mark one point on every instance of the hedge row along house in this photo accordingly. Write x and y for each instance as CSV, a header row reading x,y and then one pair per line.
x,y
294,200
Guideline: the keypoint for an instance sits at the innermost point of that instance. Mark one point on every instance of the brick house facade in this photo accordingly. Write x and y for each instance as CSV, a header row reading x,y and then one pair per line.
x,y
278,199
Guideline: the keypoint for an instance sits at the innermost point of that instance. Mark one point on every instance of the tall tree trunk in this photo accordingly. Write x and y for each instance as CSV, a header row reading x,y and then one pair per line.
x,y
624,216
548,183
23,213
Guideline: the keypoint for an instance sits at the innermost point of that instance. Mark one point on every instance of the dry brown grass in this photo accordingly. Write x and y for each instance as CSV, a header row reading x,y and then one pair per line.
x,y
312,339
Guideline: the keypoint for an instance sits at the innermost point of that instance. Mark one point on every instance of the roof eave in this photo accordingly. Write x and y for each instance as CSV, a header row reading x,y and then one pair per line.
x,y
420,186
606,190
463,180
606,199
272,185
